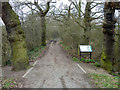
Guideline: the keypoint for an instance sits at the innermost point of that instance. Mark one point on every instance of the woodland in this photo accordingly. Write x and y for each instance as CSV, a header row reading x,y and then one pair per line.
x,y
28,26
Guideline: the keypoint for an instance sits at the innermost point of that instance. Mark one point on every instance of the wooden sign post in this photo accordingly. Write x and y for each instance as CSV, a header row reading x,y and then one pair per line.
x,y
85,49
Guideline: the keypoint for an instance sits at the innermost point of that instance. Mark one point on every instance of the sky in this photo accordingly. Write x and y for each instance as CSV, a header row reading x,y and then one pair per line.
x,y
57,5
1,22
65,2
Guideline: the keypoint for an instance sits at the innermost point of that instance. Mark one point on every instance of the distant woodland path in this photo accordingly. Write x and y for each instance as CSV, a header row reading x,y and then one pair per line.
x,y
55,70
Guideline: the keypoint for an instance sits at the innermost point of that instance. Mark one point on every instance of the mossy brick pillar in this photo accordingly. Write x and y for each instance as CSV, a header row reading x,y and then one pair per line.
x,y
16,37
108,30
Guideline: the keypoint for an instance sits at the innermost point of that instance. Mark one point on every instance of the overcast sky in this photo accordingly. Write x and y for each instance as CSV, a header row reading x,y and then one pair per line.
x,y
57,5
65,2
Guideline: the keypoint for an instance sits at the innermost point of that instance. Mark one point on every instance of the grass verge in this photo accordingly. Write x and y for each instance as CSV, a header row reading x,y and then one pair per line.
x,y
86,61
105,81
100,80
9,83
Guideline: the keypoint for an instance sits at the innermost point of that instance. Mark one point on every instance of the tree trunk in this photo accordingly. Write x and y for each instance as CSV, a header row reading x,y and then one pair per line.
x,y
0,9
118,58
79,9
43,26
16,37
108,30
87,23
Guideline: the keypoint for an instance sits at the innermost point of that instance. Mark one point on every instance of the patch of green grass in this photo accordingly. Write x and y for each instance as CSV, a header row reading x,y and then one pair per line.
x,y
9,83
105,81
76,59
97,64
87,60
60,42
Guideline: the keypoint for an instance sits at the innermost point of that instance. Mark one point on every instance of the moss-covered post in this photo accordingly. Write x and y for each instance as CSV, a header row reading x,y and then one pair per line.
x,y
16,37
109,35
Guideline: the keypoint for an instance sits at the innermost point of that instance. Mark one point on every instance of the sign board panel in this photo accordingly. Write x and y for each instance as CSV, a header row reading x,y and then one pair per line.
x,y
85,48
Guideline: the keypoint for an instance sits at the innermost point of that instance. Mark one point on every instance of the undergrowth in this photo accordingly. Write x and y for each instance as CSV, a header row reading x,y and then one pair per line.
x,y
86,61
105,81
65,46
35,52
69,50
9,83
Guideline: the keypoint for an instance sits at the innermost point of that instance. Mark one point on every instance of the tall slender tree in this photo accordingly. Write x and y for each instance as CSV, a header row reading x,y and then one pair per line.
x,y
0,8
0,46
88,17
16,37
118,56
42,13
87,22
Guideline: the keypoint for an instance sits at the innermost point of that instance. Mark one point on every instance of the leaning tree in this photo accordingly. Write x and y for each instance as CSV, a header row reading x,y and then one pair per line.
x,y
16,37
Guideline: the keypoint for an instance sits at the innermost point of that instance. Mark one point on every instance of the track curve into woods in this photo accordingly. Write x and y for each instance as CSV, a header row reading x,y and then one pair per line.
x,y
55,70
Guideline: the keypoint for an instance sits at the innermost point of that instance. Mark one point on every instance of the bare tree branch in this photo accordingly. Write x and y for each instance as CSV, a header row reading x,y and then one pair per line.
x,y
96,5
38,7
93,18
77,7
48,7
31,8
77,22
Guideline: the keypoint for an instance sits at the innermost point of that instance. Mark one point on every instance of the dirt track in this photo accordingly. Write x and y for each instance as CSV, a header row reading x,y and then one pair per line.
x,y
55,70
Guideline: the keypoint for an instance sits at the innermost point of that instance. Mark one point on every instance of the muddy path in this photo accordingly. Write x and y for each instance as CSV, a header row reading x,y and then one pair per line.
x,y
55,70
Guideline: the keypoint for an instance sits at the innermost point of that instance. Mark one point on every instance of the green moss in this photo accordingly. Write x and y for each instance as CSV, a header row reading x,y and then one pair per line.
x,y
10,17
20,57
105,63
14,17
19,51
